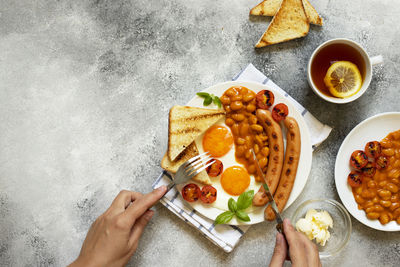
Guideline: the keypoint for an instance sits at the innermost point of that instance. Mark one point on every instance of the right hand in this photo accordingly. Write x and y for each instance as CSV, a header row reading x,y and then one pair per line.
x,y
302,251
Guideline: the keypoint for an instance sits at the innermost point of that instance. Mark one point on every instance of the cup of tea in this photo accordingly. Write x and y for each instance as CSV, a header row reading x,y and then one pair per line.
x,y
339,51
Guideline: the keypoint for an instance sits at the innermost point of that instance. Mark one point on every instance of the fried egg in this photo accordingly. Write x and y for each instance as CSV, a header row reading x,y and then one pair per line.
x,y
234,180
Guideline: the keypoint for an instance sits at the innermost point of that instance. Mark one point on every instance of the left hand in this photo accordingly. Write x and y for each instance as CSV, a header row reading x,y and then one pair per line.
x,y
114,236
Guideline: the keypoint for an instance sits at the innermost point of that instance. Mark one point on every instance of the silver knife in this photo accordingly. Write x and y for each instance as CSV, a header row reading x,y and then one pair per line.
x,y
278,217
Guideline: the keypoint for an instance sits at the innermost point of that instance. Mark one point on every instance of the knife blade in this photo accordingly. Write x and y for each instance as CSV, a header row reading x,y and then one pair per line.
x,y
272,202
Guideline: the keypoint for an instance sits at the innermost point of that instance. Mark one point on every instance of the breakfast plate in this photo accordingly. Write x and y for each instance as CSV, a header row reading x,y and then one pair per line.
x,y
256,214
373,128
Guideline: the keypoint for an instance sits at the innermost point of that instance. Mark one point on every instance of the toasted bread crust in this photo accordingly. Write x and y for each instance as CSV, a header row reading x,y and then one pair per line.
x,y
186,124
290,22
188,153
271,7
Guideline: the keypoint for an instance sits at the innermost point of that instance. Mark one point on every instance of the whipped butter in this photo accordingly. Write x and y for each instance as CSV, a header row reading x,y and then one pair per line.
x,y
315,225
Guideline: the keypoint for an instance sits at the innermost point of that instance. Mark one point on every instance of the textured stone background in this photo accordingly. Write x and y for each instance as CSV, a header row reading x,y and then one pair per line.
x,y
85,87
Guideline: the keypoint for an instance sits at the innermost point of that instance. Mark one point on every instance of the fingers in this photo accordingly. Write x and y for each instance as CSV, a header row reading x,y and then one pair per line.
x,y
290,232
280,251
133,212
139,226
123,199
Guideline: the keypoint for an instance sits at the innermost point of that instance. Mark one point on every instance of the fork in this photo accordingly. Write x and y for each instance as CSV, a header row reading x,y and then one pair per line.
x,y
190,169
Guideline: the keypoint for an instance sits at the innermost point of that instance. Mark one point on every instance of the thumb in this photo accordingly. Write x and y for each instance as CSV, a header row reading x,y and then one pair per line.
x,y
139,226
280,251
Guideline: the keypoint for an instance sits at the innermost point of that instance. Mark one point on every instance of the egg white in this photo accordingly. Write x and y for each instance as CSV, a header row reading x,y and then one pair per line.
x,y
228,160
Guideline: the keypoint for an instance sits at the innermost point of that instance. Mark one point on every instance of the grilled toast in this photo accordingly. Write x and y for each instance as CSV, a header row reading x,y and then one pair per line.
x,y
188,153
290,22
270,7
186,124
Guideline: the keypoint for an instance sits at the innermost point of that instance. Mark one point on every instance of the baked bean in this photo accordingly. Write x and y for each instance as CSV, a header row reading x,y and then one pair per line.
x,y
249,141
367,203
371,184
396,164
359,199
263,162
244,129
251,169
378,208
257,128
240,141
256,148
252,119
392,187
388,152
369,209
359,190
243,90
227,108
264,137
373,215
396,213
385,203
265,151
247,154
225,100
229,122
236,98
236,105
375,199
368,194
251,107
384,218
238,117
394,198
393,173
235,129
248,97
231,92
394,206
383,183
386,143
384,194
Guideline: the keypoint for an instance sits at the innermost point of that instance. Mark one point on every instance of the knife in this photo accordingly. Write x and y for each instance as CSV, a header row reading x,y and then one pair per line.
x,y
278,217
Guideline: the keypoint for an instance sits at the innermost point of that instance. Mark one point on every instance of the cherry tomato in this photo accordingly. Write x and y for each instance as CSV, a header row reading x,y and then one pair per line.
x,y
355,179
265,99
381,162
369,169
215,169
358,159
208,194
191,192
279,112
373,149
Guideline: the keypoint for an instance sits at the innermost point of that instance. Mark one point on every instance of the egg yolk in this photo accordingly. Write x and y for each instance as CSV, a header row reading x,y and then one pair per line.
x,y
235,180
218,140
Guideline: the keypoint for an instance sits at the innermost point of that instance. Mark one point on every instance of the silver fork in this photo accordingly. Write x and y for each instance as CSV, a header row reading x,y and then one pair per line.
x,y
190,169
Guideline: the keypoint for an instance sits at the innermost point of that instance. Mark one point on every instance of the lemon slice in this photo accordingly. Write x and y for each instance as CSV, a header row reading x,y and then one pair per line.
x,y
343,79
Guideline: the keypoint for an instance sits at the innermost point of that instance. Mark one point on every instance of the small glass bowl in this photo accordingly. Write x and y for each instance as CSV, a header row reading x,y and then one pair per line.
x,y
340,233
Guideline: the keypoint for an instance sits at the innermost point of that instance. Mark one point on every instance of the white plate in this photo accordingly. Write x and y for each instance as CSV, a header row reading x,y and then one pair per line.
x,y
305,157
373,128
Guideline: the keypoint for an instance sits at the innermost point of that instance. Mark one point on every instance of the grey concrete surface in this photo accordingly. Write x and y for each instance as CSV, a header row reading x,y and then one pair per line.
x,y
85,87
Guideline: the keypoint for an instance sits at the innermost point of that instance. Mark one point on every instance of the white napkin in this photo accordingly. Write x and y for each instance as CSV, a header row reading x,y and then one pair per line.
x,y
227,236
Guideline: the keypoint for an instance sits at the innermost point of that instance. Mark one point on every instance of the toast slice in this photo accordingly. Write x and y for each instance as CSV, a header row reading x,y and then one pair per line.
x,y
270,7
290,22
188,153
186,124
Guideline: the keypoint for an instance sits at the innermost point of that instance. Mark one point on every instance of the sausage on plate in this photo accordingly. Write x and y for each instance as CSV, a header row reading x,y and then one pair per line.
x,y
292,156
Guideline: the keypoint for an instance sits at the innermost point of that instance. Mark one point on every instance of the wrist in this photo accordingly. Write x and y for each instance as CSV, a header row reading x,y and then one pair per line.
x,y
83,262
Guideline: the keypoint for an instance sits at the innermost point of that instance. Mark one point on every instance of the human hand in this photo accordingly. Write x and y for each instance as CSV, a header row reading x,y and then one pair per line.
x,y
114,236
302,251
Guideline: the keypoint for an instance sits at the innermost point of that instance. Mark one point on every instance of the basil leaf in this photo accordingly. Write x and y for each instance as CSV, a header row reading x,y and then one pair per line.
x,y
232,205
217,101
242,216
207,101
224,217
245,199
203,94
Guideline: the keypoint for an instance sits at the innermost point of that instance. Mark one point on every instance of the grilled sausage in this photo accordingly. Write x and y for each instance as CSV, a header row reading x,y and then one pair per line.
x,y
292,156
275,161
